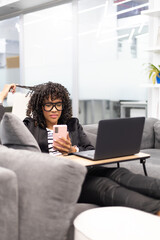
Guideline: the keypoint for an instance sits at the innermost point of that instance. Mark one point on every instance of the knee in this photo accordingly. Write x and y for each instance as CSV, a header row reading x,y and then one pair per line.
x,y
120,172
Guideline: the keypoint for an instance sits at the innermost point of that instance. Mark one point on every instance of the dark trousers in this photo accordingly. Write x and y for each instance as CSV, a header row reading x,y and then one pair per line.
x,y
120,187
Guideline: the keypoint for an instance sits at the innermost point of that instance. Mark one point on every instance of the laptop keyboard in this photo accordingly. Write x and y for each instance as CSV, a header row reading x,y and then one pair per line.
x,y
89,153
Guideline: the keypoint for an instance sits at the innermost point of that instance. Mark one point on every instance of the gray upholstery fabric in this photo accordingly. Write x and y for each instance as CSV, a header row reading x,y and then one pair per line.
x,y
48,188
148,137
14,134
80,207
8,205
91,131
157,134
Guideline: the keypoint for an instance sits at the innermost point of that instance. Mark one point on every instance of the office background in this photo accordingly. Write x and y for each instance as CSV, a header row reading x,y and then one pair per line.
x,y
95,48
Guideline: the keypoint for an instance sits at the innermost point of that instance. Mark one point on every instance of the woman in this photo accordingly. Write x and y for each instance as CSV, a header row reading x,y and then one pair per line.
x,y
50,105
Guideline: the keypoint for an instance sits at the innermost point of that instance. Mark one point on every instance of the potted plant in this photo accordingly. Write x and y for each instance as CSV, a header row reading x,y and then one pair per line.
x,y
154,72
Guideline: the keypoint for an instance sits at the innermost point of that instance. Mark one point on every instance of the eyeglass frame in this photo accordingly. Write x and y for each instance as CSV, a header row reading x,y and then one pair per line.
x,y
53,105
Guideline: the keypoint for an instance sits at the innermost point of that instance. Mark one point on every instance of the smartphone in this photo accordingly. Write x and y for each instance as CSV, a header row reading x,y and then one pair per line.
x,y
59,131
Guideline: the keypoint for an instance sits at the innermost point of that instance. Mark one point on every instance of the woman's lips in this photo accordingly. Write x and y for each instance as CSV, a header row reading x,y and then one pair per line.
x,y
53,116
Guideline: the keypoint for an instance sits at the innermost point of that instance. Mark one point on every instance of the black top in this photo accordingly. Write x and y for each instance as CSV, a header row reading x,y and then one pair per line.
x,y
76,133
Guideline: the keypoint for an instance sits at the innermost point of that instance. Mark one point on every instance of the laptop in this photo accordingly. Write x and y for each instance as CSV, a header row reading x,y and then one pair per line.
x,y
116,138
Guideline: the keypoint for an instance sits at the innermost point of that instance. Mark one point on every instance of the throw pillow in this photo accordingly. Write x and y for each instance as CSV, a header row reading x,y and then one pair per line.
x,y
14,134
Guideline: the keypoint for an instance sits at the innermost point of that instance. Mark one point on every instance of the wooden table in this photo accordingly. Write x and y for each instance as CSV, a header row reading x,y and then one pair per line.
x,y
86,162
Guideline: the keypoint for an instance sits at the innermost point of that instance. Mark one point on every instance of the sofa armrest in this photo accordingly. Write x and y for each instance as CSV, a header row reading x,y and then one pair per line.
x,y
8,205
157,134
49,188
148,138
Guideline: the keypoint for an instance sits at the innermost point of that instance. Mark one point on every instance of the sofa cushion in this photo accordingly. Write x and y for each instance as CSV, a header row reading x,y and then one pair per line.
x,y
148,138
157,134
14,134
91,131
49,188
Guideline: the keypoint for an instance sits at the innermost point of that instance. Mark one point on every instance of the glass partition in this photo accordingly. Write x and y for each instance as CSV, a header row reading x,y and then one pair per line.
x,y
9,52
48,46
113,36
104,48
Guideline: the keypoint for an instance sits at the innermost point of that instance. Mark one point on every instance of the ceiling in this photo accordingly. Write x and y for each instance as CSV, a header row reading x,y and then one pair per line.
x,y
24,6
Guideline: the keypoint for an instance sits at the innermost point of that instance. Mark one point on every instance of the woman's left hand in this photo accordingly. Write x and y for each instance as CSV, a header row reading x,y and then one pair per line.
x,y
64,145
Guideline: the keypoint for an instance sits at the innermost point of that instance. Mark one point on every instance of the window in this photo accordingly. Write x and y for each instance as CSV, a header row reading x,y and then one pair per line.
x,y
113,36
9,51
48,46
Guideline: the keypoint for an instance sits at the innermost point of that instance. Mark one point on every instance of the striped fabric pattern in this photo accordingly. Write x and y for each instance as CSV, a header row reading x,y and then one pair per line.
x,y
51,149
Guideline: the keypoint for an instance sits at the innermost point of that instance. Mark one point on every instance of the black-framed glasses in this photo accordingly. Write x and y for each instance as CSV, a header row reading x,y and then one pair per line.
x,y
49,106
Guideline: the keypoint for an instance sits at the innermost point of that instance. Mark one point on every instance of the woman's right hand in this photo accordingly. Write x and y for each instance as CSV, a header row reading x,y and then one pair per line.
x,y
6,89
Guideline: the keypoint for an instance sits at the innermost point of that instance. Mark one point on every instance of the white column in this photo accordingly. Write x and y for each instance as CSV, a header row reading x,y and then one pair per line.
x,y
21,50
75,93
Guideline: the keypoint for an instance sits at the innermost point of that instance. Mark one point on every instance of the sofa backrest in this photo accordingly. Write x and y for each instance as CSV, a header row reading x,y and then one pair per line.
x,y
150,137
91,131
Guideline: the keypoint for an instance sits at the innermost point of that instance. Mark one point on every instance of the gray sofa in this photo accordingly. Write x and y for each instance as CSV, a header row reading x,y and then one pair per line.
x,y
38,192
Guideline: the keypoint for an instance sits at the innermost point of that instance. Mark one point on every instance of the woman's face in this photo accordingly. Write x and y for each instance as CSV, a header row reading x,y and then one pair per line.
x,y
52,110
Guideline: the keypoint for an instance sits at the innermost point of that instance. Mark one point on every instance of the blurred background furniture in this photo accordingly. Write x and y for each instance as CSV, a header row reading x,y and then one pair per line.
x,y
135,108
17,104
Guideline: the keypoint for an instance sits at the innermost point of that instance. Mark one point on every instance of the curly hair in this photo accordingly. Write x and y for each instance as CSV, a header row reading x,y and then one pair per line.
x,y
43,91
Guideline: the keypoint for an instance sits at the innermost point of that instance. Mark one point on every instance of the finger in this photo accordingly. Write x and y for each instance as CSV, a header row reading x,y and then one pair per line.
x,y
64,141
68,136
63,145
13,87
61,149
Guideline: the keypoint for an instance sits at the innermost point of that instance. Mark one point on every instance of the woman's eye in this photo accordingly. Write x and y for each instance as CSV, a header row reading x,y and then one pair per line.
x,y
48,105
59,104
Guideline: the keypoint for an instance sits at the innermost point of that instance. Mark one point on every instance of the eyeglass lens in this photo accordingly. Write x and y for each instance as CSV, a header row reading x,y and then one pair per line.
x,y
49,106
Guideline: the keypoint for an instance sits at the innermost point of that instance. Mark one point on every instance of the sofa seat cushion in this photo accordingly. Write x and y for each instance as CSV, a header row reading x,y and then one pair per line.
x,y
14,134
152,164
154,155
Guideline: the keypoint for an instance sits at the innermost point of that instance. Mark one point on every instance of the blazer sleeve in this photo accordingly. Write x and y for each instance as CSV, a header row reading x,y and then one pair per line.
x,y
84,142
2,111
78,136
